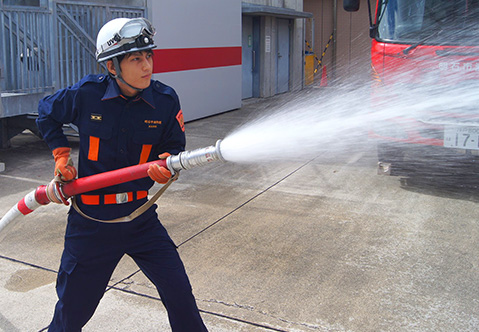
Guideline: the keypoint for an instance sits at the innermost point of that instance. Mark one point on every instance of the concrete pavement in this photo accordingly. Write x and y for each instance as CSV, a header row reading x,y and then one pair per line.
x,y
320,246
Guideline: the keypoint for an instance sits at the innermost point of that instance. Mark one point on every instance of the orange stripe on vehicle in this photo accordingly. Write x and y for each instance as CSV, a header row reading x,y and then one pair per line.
x,y
94,148
141,194
145,153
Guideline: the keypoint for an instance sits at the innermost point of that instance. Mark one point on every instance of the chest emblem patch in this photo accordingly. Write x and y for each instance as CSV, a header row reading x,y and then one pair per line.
x,y
96,117
153,123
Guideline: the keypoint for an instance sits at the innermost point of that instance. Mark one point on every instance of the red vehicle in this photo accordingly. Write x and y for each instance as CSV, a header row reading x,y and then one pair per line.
x,y
425,61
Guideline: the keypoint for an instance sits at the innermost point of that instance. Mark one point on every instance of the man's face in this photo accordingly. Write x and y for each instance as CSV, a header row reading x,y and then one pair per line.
x,y
136,70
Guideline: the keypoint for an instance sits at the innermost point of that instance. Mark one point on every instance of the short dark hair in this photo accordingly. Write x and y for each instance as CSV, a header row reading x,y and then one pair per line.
x,y
122,56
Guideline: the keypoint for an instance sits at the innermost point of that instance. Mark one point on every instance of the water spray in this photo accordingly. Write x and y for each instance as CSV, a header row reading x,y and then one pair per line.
x,y
307,126
61,192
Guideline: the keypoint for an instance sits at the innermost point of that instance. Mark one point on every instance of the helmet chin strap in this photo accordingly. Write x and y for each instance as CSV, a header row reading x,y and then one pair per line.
x,y
118,74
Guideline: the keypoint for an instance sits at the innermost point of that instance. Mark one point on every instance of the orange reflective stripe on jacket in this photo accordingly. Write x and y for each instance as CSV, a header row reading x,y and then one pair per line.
x,y
113,198
145,153
94,148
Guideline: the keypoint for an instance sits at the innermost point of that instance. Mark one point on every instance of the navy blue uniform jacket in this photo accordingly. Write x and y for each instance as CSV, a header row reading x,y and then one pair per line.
x,y
115,132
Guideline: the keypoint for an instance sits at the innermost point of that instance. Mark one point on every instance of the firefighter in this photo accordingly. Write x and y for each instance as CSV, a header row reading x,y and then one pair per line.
x,y
123,118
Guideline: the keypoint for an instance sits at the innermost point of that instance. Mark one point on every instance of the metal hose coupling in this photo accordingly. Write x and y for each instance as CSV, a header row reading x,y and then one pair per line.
x,y
194,158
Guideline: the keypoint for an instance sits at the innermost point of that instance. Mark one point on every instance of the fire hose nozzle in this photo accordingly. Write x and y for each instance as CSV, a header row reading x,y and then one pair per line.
x,y
199,157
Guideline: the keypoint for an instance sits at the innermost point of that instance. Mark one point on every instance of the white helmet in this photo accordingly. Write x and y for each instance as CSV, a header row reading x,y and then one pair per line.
x,y
124,35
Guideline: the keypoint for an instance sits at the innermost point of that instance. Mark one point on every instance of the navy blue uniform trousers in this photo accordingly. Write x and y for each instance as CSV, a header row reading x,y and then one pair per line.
x,y
93,250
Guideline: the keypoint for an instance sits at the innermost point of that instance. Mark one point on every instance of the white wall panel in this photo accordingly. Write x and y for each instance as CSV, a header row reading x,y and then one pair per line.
x,y
193,24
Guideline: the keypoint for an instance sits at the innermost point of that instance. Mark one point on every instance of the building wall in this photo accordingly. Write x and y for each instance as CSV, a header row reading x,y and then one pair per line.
x,y
353,44
199,53
348,54
320,28
269,47
216,86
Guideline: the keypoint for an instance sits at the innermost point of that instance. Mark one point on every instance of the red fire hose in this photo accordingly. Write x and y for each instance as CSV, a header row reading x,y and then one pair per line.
x,y
42,195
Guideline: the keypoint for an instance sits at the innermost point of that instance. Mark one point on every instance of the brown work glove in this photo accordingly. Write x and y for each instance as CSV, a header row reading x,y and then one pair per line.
x,y
159,173
64,169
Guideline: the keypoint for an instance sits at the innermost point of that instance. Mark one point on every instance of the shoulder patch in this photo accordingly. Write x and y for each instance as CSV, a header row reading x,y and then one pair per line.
x,y
181,121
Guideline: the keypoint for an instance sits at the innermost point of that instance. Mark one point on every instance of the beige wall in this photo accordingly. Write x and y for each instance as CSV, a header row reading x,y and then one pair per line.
x,y
348,54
